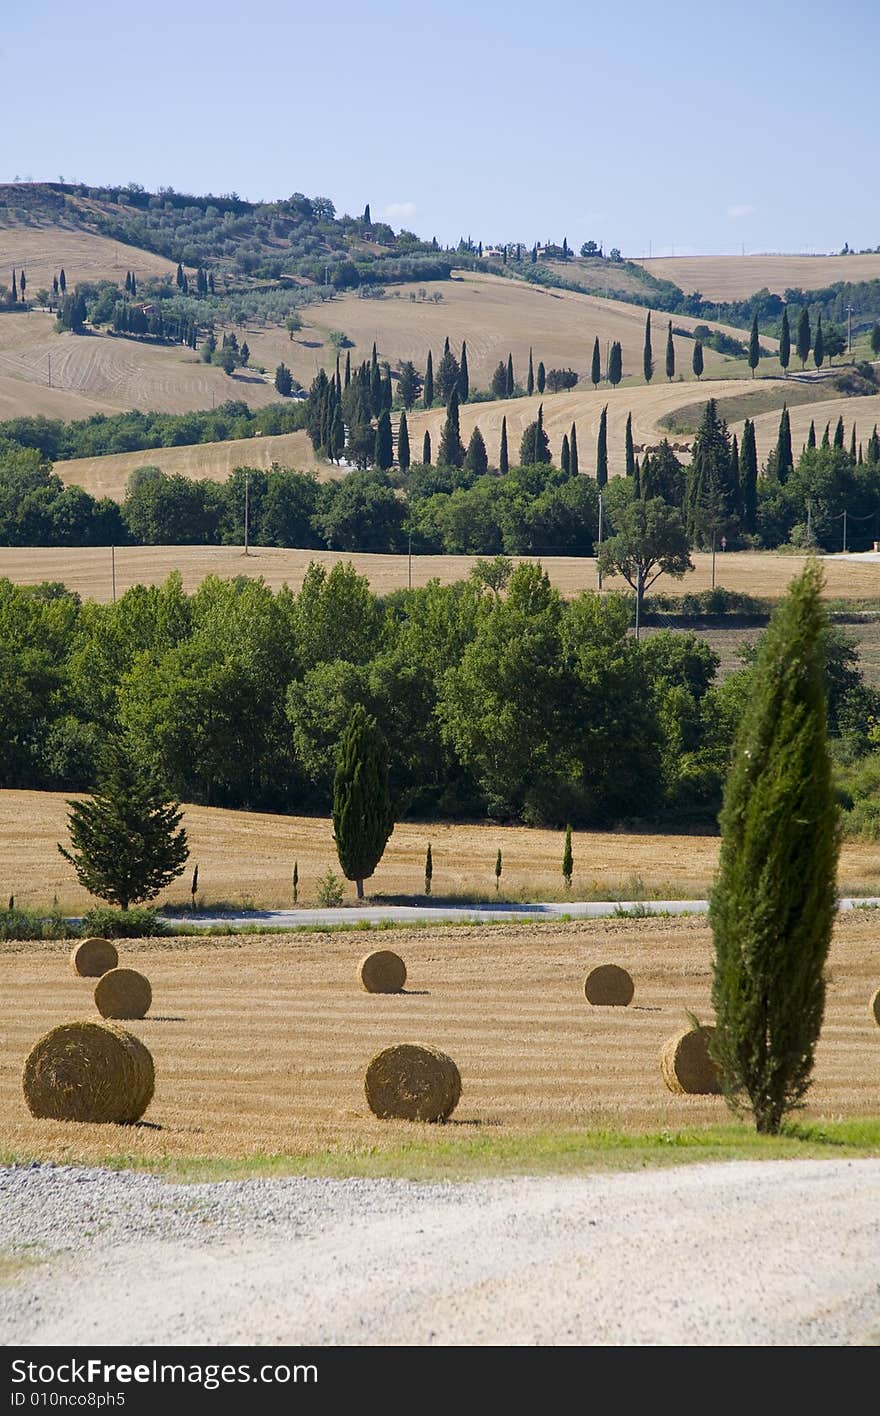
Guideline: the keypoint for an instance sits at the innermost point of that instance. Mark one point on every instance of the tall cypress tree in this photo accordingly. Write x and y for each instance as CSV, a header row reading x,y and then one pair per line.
x,y
804,336
615,364
565,456
542,377
819,345
784,343
784,459
771,918
429,381
464,383
62,280
448,375
14,289
451,451
426,449
647,352
511,382
403,444
670,353
637,482
754,346
347,368
363,817
826,436
476,458
839,433
602,450
697,362
630,450
530,382
748,478
811,435
596,365
573,450
736,499
503,459
852,444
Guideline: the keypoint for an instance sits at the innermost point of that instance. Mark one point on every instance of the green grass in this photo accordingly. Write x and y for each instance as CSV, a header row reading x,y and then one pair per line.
x,y
459,1152
747,405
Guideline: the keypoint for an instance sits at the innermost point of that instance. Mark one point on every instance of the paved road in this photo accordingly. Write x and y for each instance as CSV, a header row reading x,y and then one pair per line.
x,y
461,914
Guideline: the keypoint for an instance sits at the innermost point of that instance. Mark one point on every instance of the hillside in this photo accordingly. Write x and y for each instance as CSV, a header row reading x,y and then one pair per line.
x,y
738,277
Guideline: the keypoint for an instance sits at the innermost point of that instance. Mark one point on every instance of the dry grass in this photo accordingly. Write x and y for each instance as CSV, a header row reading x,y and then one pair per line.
x,y
864,412
248,856
87,569
40,250
736,277
261,1047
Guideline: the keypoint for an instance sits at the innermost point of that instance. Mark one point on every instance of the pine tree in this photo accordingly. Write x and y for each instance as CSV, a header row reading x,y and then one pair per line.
x,y
648,353
511,382
403,444
602,450
429,869
542,378
363,817
784,459
451,453
384,450
629,448
784,343
464,385
804,336
426,449
819,345
711,495
503,461
748,478
283,380
127,842
535,444
697,363
476,458
530,382
596,365
670,353
429,381
771,917
497,870
565,456
573,448
567,862
839,433
811,435
615,364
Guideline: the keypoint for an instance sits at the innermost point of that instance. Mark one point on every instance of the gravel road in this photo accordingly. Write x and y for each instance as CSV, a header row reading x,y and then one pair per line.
x,y
774,1253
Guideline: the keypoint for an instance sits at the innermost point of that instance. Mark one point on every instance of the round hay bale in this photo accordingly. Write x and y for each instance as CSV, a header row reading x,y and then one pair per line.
x,y
686,1065
93,957
875,1007
123,993
382,972
412,1083
89,1072
609,986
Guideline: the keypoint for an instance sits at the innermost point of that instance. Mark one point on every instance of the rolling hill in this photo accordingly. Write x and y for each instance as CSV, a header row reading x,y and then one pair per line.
x,y
738,277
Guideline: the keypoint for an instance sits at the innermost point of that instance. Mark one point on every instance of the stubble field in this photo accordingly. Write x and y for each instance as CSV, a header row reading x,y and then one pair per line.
x,y
261,1045
737,277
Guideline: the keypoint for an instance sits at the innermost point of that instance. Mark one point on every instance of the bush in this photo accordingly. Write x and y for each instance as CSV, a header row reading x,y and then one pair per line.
x,y
331,890
32,924
122,924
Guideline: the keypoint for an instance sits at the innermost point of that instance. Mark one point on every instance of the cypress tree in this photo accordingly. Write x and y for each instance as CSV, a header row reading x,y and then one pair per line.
x,y
748,478
784,460
127,842
451,452
839,433
637,480
476,458
14,289
826,436
134,289
363,817
464,384
565,456
384,447
697,362
630,450
784,343
819,345
754,346
875,338
403,444
648,353
542,378
295,881
429,869
376,394
615,364
804,336
573,451
426,449
771,917
670,353
179,276
602,450
511,382
852,445
736,501
55,286
429,381
348,368
567,862
503,460
596,365
62,280
497,870
811,435
530,382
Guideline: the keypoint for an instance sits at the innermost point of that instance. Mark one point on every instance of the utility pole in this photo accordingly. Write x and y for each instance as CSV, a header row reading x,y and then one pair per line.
x,y
844,530
638,599
247,479
409,562
713,557
113,571
598,567
849,315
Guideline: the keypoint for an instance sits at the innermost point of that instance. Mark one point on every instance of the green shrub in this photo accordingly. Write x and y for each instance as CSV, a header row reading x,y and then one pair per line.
x,y
331,891
122,924
34,924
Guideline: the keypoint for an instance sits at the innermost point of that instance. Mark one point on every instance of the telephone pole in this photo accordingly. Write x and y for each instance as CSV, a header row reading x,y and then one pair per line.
x,y
598,566
247,479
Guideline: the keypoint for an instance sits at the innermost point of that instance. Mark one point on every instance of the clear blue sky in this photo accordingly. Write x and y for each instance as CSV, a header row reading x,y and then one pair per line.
x,y
702,127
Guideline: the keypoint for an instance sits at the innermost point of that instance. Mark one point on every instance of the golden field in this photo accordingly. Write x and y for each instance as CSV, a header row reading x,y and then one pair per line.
x,y
260,1044
41,249
87,569
737,277
247,858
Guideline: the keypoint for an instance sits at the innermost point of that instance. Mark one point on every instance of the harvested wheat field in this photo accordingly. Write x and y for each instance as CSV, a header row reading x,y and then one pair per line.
x,y
87,569
737,277
262,1045
42,249
863,412
246,858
